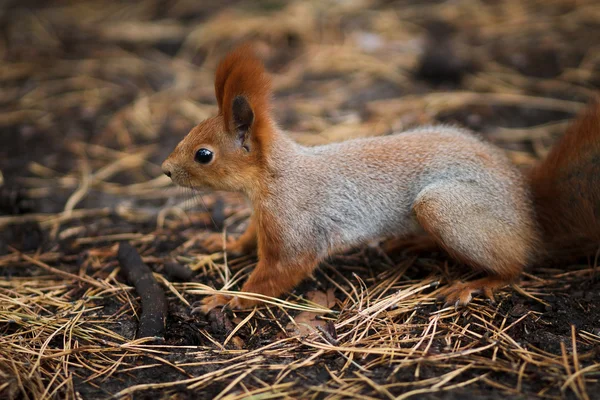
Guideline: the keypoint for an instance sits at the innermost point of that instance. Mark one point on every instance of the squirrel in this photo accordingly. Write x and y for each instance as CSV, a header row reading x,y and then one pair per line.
x,y
441,181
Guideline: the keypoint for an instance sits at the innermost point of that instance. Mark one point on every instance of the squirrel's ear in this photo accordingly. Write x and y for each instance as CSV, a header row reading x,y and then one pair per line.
x,y
243,117
243,90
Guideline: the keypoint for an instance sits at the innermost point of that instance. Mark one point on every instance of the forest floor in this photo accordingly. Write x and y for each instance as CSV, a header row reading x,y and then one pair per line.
x,y
94,95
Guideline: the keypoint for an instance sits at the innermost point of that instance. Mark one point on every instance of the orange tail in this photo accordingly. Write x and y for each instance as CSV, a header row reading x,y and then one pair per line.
x,y
566,188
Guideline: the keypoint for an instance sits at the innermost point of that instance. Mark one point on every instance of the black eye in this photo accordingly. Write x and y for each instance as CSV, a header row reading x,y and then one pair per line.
x,y
203,156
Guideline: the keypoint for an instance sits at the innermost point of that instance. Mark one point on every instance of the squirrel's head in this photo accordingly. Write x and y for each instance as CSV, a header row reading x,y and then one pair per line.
x,y
227,152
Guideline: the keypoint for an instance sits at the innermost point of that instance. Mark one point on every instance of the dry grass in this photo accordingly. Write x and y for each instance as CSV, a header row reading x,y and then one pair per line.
x,y
95,96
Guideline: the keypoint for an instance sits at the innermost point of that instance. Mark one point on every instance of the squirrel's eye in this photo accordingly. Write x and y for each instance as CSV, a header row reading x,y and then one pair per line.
x,y
203,156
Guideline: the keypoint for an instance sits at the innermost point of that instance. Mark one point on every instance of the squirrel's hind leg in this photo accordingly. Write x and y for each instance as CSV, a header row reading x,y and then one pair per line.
x,y
478,229
461,293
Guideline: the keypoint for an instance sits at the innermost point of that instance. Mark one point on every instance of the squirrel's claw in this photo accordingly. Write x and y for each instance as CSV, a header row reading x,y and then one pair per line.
x,y
211,302
457,294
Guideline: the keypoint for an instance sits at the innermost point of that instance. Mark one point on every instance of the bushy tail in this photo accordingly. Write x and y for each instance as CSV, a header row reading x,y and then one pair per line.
x,y
566,189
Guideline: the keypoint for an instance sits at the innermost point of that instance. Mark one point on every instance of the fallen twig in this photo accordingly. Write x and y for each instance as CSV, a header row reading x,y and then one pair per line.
x,y
154,303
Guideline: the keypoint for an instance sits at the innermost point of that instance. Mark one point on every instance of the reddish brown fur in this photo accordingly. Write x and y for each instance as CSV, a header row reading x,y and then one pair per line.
x,y
238,171
460,293
241,73
566,188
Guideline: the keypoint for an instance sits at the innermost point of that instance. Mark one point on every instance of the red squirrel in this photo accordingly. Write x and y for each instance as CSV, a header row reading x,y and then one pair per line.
x,y
309,202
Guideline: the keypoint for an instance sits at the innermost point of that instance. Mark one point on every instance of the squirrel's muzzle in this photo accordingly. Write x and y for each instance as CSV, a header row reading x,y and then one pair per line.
x,y
167,168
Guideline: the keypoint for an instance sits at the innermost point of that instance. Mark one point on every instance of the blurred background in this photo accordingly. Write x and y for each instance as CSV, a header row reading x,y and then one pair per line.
x,y
94,95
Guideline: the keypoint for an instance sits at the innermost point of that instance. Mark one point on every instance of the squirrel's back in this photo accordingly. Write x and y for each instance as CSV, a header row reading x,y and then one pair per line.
x,y
349,192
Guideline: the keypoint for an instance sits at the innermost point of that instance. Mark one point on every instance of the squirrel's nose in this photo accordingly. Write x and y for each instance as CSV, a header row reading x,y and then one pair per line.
x,y
166,169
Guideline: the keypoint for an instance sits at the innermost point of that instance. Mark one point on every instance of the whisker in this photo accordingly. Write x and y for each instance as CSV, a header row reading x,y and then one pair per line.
x,y
199,196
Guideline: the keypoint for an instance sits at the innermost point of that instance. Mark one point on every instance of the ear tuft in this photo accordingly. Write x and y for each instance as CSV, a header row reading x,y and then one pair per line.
x,y
243,90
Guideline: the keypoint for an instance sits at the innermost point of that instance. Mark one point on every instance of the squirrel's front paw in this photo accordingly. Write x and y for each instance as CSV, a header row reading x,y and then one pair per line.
x,y
210,302
214,243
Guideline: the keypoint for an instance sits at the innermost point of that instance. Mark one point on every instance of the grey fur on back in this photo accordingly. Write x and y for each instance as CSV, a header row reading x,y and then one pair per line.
x,y
343,194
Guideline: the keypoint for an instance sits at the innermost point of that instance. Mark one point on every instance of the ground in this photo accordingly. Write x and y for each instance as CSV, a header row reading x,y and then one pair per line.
x,y
94,95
